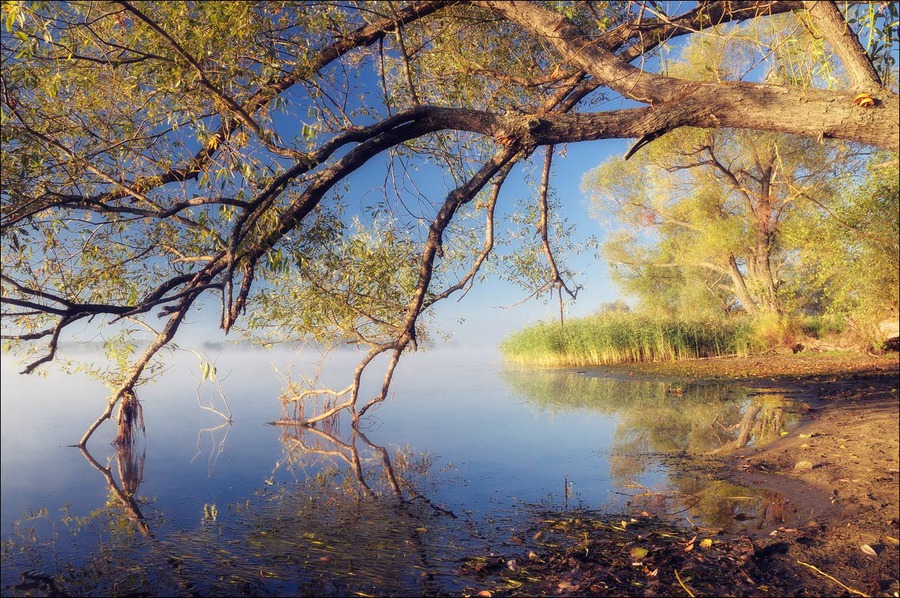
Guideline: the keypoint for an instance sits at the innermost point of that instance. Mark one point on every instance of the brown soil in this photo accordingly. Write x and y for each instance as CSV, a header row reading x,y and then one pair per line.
x,y
841,537
850,438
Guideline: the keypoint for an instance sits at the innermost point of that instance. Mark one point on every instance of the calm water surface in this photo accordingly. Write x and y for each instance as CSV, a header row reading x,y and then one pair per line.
x,y
461,457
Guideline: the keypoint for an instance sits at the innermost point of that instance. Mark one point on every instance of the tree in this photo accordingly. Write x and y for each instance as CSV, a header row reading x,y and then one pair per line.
x,y
852,251
156,155
715,202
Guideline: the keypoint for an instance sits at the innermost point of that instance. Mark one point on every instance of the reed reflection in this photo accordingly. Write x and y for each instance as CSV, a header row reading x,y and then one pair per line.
x,y
663,417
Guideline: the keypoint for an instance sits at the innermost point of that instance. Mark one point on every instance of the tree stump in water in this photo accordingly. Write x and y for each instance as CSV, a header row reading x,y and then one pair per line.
x,y
131,419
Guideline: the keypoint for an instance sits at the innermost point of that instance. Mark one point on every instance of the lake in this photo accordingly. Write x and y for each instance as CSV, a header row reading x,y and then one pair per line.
x,y
458,461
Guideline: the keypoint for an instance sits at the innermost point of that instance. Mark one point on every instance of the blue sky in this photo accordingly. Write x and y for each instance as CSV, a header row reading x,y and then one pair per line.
x,y
493,308
487,321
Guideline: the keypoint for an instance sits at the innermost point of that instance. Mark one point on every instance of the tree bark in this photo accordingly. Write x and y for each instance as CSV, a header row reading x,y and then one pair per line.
x,y
740,286
840,37
676,103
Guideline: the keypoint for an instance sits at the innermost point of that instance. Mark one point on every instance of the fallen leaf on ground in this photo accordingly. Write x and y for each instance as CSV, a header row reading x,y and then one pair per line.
x,y
868,550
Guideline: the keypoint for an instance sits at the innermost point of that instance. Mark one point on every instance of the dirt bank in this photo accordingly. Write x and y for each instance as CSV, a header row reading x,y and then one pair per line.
x,y
839,471
847,449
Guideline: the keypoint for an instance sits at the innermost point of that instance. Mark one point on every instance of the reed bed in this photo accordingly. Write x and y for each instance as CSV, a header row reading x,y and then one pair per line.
x,y
625,338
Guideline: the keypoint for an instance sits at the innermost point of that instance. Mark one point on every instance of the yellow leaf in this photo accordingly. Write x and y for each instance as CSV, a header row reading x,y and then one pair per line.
x,y
638,553
864,100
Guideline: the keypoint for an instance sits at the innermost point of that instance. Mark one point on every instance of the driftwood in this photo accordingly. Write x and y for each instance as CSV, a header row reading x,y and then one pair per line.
x,y
890,330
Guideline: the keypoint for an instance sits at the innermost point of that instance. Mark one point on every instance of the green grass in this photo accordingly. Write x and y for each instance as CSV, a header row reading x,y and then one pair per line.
x,y
625,338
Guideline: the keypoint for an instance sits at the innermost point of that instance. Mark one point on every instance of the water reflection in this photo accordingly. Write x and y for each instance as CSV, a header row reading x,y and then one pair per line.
x,y
351,519
331,509
130,462
374,472
122,555
678,424
218,437
659,416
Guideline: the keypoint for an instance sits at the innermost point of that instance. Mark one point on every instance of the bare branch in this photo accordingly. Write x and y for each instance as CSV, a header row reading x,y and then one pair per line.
x,y
543,226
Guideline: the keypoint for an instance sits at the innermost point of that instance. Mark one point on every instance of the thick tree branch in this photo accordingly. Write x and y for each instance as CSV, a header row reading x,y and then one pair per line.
x,y
678,102
579,49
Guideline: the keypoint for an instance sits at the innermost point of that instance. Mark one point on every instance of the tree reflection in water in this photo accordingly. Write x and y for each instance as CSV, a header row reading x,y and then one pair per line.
x,y
682,425
130,462
352,517
340,514
115,551
311,445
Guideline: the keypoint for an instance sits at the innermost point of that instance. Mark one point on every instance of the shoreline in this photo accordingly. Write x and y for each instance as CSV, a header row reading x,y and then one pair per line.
x,y
837,473
849,438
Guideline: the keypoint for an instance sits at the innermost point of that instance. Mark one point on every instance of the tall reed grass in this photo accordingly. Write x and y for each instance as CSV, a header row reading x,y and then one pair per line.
x,y
626,338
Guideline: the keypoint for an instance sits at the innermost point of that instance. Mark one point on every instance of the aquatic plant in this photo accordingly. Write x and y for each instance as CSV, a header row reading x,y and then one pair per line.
x,y
613,338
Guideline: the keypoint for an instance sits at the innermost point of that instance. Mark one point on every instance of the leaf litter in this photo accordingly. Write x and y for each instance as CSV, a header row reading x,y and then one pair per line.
x,y
587,553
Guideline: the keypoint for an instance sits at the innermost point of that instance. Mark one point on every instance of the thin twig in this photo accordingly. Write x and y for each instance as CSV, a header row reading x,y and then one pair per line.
x,y
684,587
848,588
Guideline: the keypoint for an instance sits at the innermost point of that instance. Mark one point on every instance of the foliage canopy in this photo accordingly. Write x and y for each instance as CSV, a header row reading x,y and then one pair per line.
x,y
713,221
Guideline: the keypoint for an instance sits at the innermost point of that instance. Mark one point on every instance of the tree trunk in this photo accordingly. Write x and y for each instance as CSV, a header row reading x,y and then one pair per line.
x,y
740,286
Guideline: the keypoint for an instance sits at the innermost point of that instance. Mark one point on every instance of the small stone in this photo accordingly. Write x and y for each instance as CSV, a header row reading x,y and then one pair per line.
x,y
803,465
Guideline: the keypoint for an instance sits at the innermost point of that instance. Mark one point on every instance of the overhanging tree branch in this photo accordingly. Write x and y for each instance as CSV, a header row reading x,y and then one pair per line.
x,y
140,184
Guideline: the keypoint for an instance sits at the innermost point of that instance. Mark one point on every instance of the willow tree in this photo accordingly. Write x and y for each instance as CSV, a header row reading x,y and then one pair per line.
x,y
851,252
162,156
703,213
